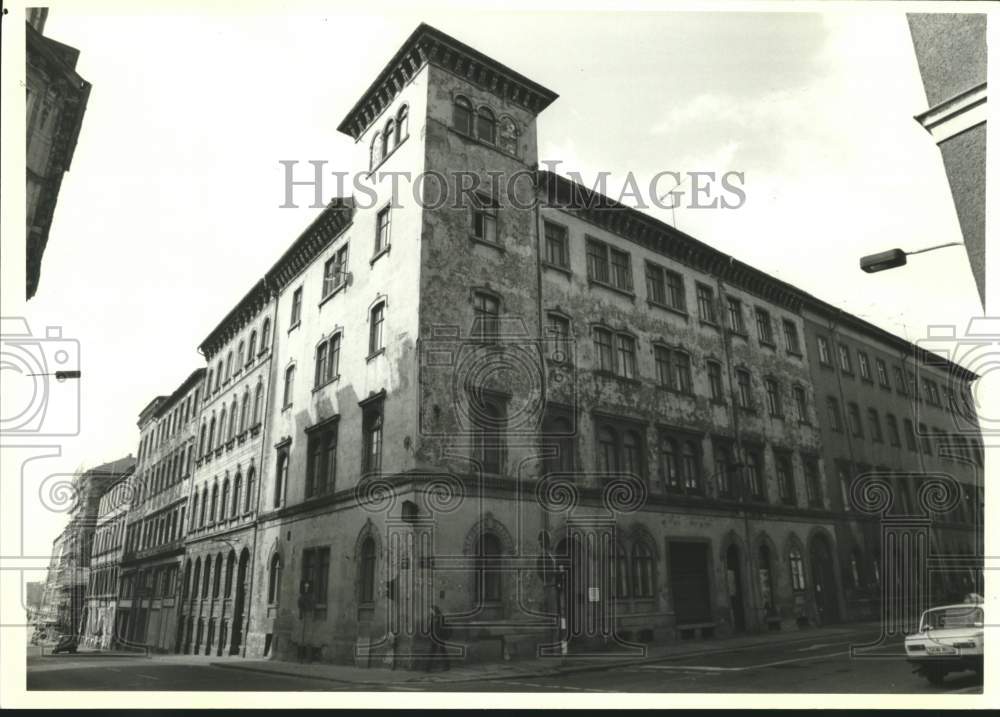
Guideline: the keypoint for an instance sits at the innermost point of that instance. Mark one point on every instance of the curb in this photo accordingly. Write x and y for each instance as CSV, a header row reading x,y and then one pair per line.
x,y
598,664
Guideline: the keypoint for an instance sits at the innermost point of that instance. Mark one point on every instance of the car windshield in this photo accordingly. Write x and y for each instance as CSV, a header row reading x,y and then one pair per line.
x,y
949,617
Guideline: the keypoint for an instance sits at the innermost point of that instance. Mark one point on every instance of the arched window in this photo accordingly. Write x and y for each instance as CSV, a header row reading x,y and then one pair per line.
x,y
258,399
389,138
218,375
208,576
222,427
377,317
245,410
764,573
402,124
250,486
224,508
367,577
230,564
461,116
642,570
217,580
375,154
201,440
486,125
213,513
488,571
229,366
265,334
211,434
797,568
237,481
273,579
196,580
239,356
251,345
204,505
233,416
286,399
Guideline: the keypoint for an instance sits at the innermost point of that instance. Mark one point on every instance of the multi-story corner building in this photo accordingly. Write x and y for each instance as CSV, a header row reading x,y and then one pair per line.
x,y
102,630
223,499
951,54
900,442
49,611
56,101
154,536
463,386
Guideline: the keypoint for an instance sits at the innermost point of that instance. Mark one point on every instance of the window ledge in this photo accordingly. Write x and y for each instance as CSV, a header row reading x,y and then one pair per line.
x,y
263,352
326,383
385,158
378,255
565,270
710,324
230,443
254,430
739,334
748,409
286,407
768,344
333,292
794,354
485,242
482,143
611,287
370,357
667,307
674,391
294,326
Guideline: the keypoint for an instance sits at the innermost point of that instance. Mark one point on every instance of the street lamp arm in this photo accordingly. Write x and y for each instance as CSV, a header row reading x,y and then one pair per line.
x,y
932,248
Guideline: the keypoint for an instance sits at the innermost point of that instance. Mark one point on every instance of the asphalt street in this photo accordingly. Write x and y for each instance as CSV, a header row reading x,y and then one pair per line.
x,y
819,666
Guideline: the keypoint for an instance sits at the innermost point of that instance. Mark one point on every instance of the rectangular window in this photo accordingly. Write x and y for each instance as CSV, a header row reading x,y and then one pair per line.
x,y
706,303
925,440
823,347
604,350
900,380
556,245
754,473
335,271
371,438
321,470
864,367
626,355
288,388
911,436
715,381
735,312
621,270
675,290
487,316
661,355
773,397
854,418
931,392
316,575
785,477
296,307
764,331
744,394
724,467
801,408
890,421
597,261
559,335
656,288
834,415
792,337
682,372
484,219
814,489
845,358
883,373
381,231
874,425
375,342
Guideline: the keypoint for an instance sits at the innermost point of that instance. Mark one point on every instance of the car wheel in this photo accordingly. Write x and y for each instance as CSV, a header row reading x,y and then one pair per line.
x,y
935,677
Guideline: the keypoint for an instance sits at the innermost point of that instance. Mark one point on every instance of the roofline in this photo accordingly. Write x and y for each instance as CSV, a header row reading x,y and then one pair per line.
x,y
739,273
185,386
258,294
421,48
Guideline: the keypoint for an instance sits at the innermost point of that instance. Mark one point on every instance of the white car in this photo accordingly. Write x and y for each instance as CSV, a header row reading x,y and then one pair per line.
x,y
950,639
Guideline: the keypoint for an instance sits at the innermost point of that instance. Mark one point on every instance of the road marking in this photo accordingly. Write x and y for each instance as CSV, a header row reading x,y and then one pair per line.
x,y
688,668
148,677
816,646
839,653
711,669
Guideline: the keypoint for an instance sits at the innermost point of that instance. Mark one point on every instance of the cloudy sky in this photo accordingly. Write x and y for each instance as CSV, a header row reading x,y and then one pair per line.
x,y
171,209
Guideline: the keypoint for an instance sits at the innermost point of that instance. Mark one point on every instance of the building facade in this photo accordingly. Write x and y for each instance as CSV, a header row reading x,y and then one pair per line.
x,y
154,540
106,552
56,101
223,499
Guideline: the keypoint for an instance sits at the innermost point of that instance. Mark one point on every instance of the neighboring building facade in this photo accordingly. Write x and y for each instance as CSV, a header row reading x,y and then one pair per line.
x,y
105,564
951,54
223,499
56,101
154,538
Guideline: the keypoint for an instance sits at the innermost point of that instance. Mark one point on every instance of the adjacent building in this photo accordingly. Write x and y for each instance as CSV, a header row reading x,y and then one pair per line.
x,y
157,519
56,101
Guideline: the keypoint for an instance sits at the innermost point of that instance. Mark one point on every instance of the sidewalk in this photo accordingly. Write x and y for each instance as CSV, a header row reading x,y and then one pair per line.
x,y
378,676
